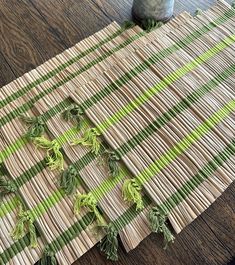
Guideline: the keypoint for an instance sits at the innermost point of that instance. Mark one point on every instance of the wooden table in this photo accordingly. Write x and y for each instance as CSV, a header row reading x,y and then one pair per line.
x,y
33,31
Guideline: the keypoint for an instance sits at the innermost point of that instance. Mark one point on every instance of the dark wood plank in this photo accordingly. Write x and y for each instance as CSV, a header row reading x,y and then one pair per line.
x,y
37,31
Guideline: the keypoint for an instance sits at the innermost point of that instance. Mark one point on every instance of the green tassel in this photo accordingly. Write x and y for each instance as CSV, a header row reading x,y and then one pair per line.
x,y
36,126
109,244
6,186
157,220
48,257
113,163
89,201
127,24
69,180
74,114
150,24
233,4
24,225
198,12
55,159
90,139
131,191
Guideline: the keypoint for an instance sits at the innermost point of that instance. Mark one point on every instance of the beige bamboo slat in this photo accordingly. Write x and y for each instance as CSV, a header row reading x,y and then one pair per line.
x,y
165,183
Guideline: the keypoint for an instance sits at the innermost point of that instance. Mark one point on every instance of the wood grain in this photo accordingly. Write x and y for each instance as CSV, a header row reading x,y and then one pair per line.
x,y
31,32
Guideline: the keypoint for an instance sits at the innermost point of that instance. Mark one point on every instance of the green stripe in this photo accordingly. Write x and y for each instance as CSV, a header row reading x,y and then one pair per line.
x,y
184,104
57,70
164,83
28,105
8,206
21,141
158,57
185,190
14,249
131,213
159,164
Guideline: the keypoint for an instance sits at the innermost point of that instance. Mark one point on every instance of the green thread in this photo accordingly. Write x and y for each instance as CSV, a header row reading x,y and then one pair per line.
x,y
150,24
69,180
89,201
164,83
25,224
55,159
158,219
74,114
6,186
48,257
198,12
36,126
109,244
131,191
113,163
127,24
89,139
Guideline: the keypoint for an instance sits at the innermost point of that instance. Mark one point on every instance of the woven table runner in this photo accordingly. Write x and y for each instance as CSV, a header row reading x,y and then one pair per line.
x,y
114,137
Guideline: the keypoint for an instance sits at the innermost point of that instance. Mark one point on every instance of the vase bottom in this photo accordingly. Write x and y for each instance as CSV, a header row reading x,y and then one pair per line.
x,y
139,20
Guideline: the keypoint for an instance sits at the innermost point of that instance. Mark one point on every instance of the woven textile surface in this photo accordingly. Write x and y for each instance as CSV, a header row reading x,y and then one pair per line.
x,y
128,132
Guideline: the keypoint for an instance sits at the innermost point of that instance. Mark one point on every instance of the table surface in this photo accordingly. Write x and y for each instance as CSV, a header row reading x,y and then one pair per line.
x,y
33,31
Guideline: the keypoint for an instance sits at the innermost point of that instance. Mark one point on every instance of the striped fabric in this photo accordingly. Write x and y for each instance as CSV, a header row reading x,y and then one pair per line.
x,y
152,138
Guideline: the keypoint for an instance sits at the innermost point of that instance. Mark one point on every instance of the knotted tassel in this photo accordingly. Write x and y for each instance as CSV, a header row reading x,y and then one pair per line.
x,y
131,191
157,220
55,159
109,244
90,139
127,24
24,225
198,12
36,126
150,24
74,114
6,186
48,257
69,180
113,163
89,201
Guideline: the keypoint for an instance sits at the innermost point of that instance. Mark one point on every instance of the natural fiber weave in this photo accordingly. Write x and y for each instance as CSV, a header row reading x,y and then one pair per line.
x,y
145,93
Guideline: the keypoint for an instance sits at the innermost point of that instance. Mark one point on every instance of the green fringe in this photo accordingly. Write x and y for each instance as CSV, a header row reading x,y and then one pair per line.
x,y
131,191
48,257
90,139
6,186
157,219
89,201
36,126
55,159
127,24
74,114
198,12
113,163
109,244
150,24
25,224
69,180
233,4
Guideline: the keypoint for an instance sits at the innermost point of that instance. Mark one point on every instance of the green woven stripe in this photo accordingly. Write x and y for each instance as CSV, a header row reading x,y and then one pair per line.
x,y
28,105
14,249
164,83
72,232
185,190
131,213
155,167
21,142
174,111
124,79
58,69
8,206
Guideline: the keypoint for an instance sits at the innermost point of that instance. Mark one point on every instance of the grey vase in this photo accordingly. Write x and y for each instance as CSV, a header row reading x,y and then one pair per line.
x,y
160,10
